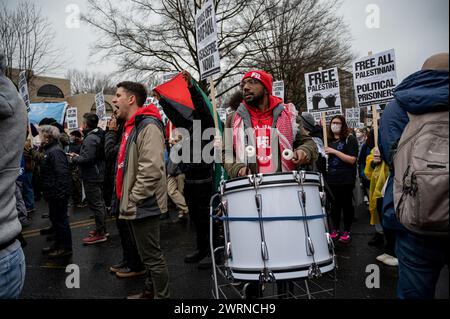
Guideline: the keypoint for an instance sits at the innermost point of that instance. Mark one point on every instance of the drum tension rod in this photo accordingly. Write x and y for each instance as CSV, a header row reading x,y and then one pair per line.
x,y
314,270
323,198
266,274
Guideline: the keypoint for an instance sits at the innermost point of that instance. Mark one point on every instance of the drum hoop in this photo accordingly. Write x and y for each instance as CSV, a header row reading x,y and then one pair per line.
x,y
268,176
276,174
303,267
271,218
308,182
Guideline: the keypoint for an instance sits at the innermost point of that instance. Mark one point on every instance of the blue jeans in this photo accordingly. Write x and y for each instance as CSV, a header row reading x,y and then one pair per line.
x,y
12,271
420,261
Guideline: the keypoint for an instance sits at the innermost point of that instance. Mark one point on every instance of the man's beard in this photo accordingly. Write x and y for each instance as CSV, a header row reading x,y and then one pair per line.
x,y
255,100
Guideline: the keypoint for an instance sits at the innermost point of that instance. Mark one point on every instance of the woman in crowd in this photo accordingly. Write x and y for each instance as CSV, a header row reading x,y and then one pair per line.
x,y
56,188
341,177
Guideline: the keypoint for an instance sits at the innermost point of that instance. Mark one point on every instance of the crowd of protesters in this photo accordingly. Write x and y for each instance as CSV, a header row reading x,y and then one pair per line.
x,y
127,172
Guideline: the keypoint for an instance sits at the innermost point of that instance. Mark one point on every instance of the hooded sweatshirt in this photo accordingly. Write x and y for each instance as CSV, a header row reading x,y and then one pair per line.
x,y
13,124
422,92
262,123
149,110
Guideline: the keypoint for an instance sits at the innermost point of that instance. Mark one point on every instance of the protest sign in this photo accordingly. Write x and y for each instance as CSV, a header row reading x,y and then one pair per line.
x,y
375,78
278,89
71,118
328,115
100,105
352,117
322,92
23,88
207,46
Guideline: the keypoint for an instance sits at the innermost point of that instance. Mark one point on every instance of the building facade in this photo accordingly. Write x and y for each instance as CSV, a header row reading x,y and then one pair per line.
x,y
44,89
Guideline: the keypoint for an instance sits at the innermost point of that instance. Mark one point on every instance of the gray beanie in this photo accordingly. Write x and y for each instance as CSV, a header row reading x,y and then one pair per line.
x,y
308,121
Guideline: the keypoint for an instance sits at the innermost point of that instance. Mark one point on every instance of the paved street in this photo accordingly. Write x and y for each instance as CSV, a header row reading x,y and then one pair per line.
x,y
47,280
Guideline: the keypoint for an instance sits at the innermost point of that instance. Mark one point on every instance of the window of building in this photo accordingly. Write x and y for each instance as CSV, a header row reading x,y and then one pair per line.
x,y
49,90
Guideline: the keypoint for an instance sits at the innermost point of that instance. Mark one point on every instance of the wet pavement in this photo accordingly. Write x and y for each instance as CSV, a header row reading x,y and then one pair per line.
x,y
47,280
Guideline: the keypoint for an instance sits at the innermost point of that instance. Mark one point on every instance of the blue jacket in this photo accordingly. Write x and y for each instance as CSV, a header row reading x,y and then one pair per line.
x,y
422,92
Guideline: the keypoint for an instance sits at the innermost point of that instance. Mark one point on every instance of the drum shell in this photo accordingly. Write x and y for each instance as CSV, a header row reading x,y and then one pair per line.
x,y
285,239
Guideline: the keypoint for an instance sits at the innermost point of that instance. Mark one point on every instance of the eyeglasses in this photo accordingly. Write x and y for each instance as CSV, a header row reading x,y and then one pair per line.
x,y
250,81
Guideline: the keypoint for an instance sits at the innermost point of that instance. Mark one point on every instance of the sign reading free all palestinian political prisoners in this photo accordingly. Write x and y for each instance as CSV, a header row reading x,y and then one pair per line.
x,y
322,91
207,47
375,78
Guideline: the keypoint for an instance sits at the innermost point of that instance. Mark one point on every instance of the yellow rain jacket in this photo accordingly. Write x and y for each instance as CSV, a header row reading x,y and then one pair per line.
x,y
377,177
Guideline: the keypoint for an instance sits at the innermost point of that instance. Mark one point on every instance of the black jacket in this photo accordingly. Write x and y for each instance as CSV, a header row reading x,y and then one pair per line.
x,y
112,144
74,148
92,157
194,170
55,173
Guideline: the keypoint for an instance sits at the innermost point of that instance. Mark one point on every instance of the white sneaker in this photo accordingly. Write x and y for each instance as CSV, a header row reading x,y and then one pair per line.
x,y
391,261
383,257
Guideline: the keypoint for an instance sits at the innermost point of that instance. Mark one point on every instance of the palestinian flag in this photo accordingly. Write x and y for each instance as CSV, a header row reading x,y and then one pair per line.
x,y
178,107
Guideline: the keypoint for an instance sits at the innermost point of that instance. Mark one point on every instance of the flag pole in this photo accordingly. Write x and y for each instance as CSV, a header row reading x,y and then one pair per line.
x,y
324,124
374,119
214,105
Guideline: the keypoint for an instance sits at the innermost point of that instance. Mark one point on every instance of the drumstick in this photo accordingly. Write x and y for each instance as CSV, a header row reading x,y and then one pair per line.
x,y
250,152
288,154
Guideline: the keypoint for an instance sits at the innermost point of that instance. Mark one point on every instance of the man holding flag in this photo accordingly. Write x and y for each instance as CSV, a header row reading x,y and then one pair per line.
x,y
184,103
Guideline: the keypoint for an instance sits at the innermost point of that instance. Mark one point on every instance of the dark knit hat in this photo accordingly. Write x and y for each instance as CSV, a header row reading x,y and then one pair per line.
x,y
264,77
308,121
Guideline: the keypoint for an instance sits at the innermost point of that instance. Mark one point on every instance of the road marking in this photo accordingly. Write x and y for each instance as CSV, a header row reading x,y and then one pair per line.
x,y
74,225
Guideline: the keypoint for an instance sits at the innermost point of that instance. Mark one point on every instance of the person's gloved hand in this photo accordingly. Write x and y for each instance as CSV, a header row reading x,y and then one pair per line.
x,y
315,100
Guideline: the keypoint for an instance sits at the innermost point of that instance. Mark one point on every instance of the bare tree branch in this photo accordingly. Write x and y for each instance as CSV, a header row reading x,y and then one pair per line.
x,y
28,40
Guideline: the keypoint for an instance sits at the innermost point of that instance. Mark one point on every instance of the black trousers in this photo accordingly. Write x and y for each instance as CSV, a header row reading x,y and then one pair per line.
x,y
94,198
389,234
129,248
197,197
342,203
60,220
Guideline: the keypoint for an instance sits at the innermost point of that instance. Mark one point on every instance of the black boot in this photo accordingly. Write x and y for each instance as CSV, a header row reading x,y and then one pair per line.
x,y
377,240
47,231
196,256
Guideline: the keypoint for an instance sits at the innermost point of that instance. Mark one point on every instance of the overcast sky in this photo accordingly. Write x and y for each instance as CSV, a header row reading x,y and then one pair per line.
x,y
416,29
